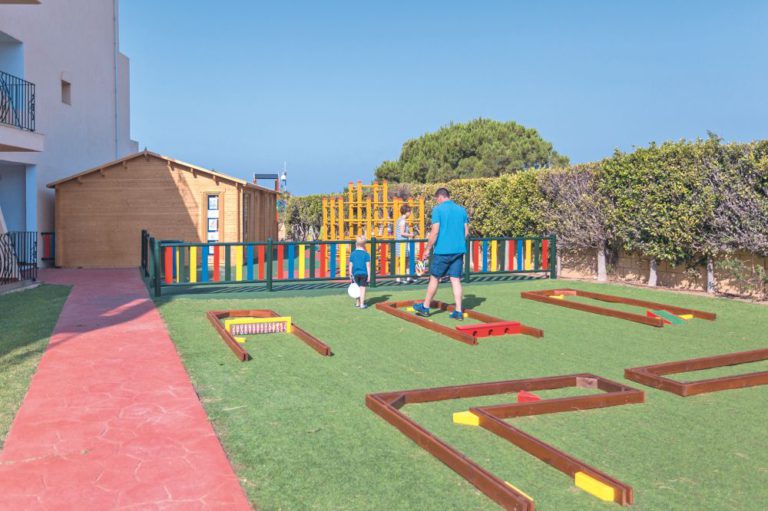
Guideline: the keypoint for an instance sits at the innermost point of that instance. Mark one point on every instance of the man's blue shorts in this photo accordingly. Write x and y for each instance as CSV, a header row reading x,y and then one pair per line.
x,y
446,264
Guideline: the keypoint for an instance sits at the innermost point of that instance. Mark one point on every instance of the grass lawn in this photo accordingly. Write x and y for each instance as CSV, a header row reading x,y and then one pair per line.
x,y
300,437
27,319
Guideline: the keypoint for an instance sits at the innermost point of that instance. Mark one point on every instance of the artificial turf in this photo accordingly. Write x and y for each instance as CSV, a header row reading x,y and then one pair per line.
x,y
300,437
27,319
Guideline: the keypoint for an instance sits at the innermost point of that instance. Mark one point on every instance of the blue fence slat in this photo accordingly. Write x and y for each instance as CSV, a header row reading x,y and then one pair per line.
x,y
204,263
485,256
291,256
520,255
249,262
333,261
412,265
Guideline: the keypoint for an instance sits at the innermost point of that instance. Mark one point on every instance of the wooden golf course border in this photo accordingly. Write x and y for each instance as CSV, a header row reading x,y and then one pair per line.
x,y
653,375
215,317
393,308
388,406
545,296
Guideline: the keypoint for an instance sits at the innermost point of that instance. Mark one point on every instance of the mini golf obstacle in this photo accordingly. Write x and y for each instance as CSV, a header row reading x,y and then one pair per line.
x,y
230,324
468,334
658,314
653,375
388,406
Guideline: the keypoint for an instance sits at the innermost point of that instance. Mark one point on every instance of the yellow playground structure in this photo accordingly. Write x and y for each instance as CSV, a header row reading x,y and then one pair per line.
x,y
368,210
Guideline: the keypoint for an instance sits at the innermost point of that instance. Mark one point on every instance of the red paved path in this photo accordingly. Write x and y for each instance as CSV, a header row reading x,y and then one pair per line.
x,y
111,420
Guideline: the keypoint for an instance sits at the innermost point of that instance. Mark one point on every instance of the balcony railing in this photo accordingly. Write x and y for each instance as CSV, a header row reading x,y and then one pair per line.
x,y
17,102
18,257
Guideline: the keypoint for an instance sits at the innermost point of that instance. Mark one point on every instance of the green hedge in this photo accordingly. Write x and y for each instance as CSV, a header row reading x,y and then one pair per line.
x,y
668,202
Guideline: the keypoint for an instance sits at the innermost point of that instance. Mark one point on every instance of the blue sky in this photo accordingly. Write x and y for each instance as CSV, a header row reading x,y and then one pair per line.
x,y
334,87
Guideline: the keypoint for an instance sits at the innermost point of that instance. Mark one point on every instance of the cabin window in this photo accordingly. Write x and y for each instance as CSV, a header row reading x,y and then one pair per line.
x,y
212,218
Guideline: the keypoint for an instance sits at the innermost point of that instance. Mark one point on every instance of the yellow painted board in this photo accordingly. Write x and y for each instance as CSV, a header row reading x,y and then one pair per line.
x,y
528,254
238,262
518,490
369,218
302,260
193,264
686,316
241,340
252,321
466,418
332,224
597,488
494,254
558,297
343,260
422,233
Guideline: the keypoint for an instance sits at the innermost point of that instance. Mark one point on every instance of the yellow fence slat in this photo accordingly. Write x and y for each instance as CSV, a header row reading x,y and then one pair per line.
x,y
238,262
343,260
193,264
401,258
528,254
302,260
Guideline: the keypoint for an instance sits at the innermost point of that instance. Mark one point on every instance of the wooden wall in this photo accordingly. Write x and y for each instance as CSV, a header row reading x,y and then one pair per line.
x,y
261,222
99,217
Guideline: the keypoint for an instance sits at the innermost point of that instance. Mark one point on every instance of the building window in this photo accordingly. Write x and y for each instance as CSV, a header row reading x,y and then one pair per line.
x,y
212,218
66,92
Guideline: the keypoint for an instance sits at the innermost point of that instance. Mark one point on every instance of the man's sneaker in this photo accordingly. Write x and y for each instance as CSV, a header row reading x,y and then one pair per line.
x,y
363,306
420,310
457,315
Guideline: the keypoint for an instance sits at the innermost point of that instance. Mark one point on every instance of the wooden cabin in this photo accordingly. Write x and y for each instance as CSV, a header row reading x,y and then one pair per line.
x,y
100,212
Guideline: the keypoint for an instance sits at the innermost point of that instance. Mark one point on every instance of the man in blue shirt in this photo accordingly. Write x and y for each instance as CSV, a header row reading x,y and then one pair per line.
x,y
447,243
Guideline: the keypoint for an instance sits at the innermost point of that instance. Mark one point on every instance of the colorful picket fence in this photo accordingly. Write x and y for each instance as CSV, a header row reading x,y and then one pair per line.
x,y
173,263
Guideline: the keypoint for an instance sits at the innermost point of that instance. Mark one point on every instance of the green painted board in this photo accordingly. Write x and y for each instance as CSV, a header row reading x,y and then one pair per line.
x,y
675,320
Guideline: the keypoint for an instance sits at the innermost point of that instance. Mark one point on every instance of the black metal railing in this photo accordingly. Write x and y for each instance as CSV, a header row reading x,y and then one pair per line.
x,y
18,257
17,102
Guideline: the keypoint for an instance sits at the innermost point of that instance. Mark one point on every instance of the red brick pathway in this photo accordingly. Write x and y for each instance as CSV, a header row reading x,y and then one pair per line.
x,y
111,420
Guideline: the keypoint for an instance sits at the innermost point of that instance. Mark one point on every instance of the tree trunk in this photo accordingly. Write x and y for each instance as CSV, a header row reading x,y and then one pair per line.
x,y
711,283
652,273
602,271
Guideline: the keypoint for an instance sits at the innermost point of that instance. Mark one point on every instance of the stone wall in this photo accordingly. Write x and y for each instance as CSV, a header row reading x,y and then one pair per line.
x,y
633,269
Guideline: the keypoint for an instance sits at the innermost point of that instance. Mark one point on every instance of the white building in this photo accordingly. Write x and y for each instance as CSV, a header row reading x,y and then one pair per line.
x,y
64,101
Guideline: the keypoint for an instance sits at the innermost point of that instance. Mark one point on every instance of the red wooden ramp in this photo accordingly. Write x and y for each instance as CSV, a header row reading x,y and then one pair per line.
x,y
491,329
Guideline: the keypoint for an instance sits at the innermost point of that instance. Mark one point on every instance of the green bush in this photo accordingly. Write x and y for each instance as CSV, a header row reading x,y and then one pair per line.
x,y
681,202
659,198
303,217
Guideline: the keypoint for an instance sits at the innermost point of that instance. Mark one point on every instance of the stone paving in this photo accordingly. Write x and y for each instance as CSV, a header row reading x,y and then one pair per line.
x,y
111,420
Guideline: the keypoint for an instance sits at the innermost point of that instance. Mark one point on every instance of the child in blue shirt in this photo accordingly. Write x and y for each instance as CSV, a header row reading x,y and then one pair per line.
x,y
360,268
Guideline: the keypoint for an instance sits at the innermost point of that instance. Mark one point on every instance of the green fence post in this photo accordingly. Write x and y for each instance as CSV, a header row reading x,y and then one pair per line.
x,y
144,253
373,263
393,259
467,265
270,256
227,268
553,257
537,254
156,264
311,261
150,260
